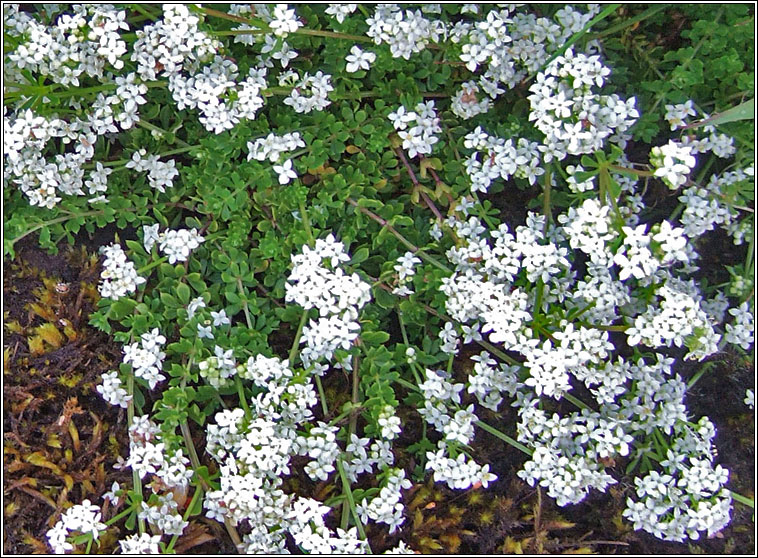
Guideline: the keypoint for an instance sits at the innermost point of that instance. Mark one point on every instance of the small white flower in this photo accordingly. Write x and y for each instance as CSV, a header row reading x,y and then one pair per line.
x,y
285,172
357,59
204,332
220,318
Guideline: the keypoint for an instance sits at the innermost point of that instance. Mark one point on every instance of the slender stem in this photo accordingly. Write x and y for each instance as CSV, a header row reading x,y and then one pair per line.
x,y
413,248
136,480
322,396
245,308
306,223
242,398
293,350
265,28
742,499
54,221
431,206
153,128
151,265
351,501
628,22
351,427
578,402
407,165
578,35
195,497
195,460
547,210
620,169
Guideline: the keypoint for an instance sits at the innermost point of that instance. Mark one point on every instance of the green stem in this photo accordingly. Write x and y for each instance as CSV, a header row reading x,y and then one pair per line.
x,y
578,402
195,497
136,480
742,499
622,170
242,398
293,350
579,34
195,460
629,22
245,309
306,223
322,396
54,221
415,249
351,427
351,501
153,128
547,209
504,437
151,265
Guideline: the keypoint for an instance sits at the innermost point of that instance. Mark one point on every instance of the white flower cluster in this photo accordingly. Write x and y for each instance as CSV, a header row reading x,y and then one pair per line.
x,y
310,92
140,544
217,370
284,21
441,398
676,115
419,138
337,296
254,454
467,104
673,163
720,144
149,456
82,518
163,515
574,119
706,206
741,331
119,277
321,446
160,174
675,318
480,290
405,268
589,229
310,532
501,158
176,49
146,357
340,11
567,451
406,32
112,391
26,135
272,147
176,244
79,43
690,496
386,506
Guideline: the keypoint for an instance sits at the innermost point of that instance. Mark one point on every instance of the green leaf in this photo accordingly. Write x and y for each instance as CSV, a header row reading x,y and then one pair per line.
x,y
744,111
360,255
183,292
375,337
383,298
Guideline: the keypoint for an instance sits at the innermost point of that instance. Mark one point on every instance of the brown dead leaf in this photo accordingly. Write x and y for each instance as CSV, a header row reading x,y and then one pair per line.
x,y
193,536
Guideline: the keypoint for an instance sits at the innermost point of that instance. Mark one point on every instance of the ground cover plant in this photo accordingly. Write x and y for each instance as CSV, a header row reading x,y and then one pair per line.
x,y
364,254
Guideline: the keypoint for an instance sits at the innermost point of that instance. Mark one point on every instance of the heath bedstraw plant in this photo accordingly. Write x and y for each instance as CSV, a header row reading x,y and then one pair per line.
x,y
307,204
